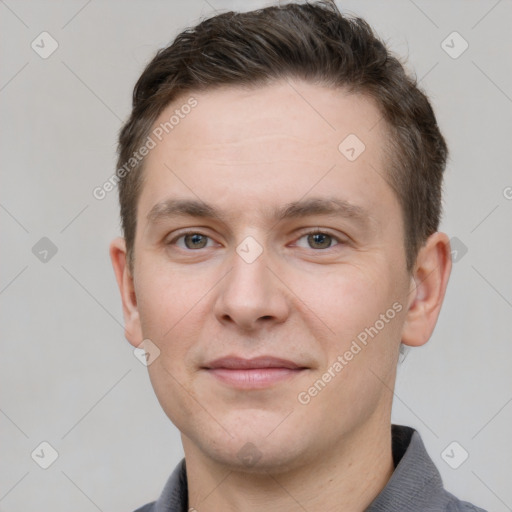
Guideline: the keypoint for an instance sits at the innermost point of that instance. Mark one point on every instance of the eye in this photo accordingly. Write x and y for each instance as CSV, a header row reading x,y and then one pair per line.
x,y
191,240
316,239
319,240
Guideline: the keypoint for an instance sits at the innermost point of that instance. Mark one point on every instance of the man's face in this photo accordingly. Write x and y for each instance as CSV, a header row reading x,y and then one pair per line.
x,y
256,282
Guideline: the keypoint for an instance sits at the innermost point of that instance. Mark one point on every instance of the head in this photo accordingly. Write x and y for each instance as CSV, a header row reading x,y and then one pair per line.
x,y
287,121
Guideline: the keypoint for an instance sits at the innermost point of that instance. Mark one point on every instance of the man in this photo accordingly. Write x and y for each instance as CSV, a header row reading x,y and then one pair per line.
x,y
280,187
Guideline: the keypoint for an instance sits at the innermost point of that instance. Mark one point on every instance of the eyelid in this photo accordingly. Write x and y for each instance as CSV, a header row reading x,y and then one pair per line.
x,y
324,231
301,234
180,234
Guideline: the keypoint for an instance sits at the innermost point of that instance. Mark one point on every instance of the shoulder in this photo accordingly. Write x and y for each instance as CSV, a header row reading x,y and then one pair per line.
x,y
456,505
174,497
150,507
416,484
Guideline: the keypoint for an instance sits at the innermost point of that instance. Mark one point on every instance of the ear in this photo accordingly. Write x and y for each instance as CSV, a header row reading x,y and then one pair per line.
x,y
132,327
428,286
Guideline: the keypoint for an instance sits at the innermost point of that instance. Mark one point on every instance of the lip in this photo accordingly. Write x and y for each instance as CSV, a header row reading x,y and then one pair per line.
x,y
256,363
255,373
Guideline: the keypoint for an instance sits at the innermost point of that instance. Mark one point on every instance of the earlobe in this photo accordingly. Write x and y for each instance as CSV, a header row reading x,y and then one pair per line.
x,y
118,256
428,287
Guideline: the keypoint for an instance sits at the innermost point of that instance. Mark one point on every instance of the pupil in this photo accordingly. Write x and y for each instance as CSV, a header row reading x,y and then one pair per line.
x,y
320,238
196,239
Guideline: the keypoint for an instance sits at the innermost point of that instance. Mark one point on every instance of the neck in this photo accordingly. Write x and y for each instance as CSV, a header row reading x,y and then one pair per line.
x,y
347,478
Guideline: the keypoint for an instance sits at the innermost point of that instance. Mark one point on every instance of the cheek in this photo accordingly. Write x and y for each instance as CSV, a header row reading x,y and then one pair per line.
x,y
169,312
363,309
175,309
164,300
347,299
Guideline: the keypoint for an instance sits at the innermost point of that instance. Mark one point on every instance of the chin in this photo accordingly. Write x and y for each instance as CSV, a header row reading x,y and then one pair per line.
x,y
253,452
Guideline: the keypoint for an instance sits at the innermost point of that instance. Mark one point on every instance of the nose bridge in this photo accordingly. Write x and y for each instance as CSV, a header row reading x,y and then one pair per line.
x,y
248,280
251,291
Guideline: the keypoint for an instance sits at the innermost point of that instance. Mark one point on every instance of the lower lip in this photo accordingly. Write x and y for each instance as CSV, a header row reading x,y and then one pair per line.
x,y
254,378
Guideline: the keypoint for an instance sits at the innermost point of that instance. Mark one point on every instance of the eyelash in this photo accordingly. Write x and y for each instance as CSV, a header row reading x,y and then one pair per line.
x,y
302,235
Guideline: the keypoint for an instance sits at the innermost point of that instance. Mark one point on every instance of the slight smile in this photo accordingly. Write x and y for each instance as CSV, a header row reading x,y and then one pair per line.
x,y
257,373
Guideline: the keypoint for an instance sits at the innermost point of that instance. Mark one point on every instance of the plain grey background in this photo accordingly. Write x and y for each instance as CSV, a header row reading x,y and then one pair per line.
x,y
69,378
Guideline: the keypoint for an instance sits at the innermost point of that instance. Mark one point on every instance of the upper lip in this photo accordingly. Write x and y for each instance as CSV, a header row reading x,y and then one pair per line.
x,y
239,363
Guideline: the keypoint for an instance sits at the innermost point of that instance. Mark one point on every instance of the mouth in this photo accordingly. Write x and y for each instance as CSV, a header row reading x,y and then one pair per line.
x,y
256,373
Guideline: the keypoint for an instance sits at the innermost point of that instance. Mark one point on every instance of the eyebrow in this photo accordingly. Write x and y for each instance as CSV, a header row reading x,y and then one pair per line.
x,y
330,206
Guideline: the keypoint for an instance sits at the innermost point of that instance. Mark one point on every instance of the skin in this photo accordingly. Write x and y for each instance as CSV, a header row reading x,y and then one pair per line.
x,y
247,152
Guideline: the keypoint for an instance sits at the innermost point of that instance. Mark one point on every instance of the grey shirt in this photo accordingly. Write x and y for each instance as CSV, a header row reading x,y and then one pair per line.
x,y
414,486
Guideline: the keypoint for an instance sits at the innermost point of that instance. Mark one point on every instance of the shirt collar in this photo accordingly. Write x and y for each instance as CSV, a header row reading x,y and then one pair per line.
x,y
416,483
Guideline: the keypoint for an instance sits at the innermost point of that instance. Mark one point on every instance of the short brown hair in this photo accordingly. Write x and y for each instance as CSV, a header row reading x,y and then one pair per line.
x,y
313,42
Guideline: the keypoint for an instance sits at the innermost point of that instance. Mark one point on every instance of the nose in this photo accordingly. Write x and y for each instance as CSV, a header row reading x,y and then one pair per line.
x,y
252,295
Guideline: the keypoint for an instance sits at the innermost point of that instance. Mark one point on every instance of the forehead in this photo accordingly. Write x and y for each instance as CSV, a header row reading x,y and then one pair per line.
x,y
286,109
275,144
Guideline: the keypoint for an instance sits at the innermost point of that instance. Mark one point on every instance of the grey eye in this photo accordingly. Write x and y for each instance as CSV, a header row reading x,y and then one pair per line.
x,y
195,241
321,240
